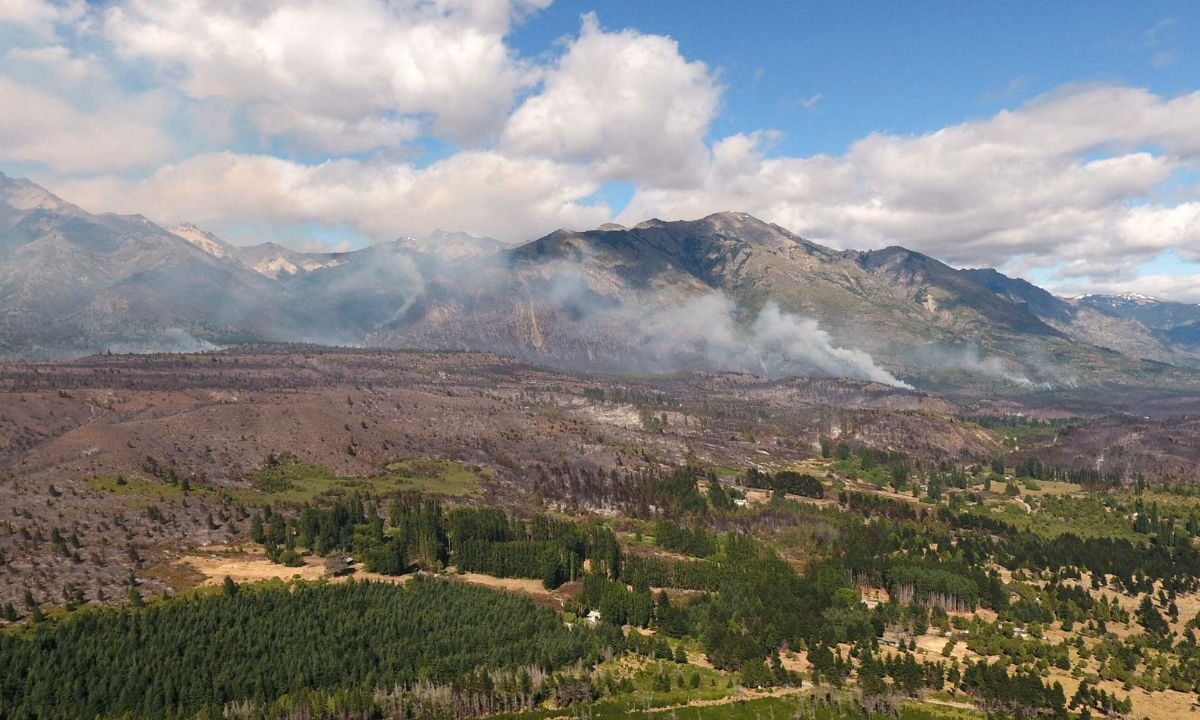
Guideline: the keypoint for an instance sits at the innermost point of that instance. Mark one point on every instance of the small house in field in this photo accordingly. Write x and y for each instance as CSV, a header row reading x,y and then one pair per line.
x,y
592,617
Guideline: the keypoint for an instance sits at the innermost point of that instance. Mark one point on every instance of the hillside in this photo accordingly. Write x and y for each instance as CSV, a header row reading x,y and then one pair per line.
x,y
620,298
72,282
485,507
726,292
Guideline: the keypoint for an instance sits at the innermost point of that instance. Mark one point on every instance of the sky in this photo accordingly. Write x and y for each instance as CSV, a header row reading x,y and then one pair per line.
x,y
1059,142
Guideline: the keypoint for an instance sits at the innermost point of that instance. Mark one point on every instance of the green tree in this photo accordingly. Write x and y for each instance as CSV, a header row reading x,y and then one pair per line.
x,y
257,534
1150,618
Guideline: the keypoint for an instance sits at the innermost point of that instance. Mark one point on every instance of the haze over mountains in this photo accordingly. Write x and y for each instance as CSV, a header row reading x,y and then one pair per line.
x,y
725,292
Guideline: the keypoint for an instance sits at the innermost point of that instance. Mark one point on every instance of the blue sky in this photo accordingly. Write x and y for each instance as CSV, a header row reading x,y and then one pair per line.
x,y
1056,141
898,67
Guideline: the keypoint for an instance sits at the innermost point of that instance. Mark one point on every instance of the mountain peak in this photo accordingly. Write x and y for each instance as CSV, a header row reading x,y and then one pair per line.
x,y
724,221
753,230
202,239
733,216
24,194
1123,298
450,245
731,222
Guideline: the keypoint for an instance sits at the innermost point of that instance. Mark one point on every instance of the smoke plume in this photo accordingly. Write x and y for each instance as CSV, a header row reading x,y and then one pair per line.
x,y
707,333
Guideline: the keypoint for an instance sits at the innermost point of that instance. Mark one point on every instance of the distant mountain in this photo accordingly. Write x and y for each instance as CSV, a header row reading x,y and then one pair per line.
x,y
860,296
276,261
1186,336
73,282
1088,320
568,297
1174,324
203,239
1154,314
453,245
270,259
727,291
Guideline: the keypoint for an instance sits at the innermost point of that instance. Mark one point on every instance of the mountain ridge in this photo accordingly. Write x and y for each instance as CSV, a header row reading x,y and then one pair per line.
x,y
596,299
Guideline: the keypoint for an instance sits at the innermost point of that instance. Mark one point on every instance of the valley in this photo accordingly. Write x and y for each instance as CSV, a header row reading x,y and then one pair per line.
x,y
917,552
547,360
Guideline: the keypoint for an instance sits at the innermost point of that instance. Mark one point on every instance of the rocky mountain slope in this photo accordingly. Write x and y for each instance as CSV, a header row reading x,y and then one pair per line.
x,y
75,282
634,297
724,292
270,259
1174,323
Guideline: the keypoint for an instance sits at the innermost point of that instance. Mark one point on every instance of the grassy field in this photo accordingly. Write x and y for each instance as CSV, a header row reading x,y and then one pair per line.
x,y
136,487
431,475
852,467
1049,487
783,707
1085,516
1019,436
771,708
294,482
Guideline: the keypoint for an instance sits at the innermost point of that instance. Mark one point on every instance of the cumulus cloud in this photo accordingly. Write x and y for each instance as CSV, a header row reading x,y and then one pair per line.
x,y
1052,181
628,103
41,17
46,129
484,193
1156,228
230,113
342,77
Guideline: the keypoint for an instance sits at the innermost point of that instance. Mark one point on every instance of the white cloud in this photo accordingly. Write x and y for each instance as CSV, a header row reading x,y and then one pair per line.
x,y
482,192
811,101
43,128
1077,180
342,77
1052,181
40,17
57,61
628,103
1179,288
339,136
1156,228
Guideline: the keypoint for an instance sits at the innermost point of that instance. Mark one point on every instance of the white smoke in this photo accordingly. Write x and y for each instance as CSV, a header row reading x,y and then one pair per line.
x,y
170,340
970,359
706,332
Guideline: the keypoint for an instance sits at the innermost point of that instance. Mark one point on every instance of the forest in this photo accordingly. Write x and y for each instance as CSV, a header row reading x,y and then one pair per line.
x,y
256,644
690,591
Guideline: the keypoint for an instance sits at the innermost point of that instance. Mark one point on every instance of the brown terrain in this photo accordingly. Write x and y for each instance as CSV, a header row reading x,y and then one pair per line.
x,y
114,467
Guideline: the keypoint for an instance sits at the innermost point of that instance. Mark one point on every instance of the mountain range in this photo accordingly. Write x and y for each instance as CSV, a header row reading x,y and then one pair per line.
x,y
726,292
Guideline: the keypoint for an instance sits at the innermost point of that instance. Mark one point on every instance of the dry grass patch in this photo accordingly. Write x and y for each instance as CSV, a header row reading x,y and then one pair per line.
x,y
251,567
177,575
1158,705
532,589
